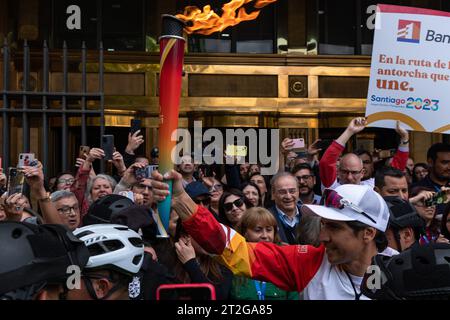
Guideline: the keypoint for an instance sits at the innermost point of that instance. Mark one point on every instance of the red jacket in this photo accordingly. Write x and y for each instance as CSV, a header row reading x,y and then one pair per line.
x,y
328,168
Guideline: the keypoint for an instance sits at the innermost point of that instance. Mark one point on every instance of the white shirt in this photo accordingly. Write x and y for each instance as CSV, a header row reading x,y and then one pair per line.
x,y
332,283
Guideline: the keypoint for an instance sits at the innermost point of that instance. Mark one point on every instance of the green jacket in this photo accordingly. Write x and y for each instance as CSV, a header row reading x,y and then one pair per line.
x,y
244,289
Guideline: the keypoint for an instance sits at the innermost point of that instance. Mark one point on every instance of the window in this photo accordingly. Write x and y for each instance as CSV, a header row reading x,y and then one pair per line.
x,y
346,26
256,36
118,23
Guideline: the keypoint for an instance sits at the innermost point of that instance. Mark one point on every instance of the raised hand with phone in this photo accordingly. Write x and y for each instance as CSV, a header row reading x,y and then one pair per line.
x,y
134,141
118,162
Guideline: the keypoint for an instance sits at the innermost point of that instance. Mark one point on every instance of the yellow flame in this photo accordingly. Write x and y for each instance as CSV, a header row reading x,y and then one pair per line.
x,y
206,21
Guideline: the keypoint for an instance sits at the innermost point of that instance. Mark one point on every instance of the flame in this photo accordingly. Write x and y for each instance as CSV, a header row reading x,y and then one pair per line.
x,y
206,21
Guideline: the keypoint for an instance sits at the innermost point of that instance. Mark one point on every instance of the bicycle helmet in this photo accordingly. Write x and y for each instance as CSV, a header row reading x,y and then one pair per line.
x,y
403,214
112,246
33,256
421,272
101,210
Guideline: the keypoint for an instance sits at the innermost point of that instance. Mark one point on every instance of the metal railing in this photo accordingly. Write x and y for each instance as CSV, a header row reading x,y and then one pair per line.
x,y
22,100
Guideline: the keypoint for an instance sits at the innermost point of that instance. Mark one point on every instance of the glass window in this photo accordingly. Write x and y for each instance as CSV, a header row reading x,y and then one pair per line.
x,y
119,23
256,36
337,21
75,37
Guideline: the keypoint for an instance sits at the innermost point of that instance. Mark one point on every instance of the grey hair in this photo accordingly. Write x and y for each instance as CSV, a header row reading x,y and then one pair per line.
x,y
280,175
61,194
91,181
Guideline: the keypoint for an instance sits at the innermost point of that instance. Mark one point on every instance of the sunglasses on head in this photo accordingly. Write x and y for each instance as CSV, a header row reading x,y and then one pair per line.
x,y
332,199
238,203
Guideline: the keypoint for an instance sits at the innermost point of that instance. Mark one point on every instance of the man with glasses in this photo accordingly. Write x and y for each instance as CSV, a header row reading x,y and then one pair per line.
x,y
144,187
350,169
64,182
306,182
67,206
353,221
285,194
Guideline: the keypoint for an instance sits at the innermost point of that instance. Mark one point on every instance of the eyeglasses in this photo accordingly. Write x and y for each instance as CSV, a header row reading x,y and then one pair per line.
x,y
143,186
305,177
204,202
332,199
216,187
283,192
66,181
237,203
347,172
67,210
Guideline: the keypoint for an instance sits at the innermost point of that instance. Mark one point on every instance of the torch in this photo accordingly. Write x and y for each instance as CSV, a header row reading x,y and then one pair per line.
x,y
170,76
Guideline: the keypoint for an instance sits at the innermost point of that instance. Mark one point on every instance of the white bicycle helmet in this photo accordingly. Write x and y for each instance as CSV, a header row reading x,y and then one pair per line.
x,y
112,246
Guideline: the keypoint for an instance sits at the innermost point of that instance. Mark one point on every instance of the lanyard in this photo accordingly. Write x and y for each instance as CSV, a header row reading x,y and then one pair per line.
x,y
357,295
260,289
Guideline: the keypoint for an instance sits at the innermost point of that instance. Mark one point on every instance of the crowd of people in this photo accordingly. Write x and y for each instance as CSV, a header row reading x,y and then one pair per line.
x,y
309,232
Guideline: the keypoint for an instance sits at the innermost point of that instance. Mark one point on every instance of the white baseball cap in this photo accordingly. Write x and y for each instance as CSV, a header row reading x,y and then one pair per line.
x,y
358,203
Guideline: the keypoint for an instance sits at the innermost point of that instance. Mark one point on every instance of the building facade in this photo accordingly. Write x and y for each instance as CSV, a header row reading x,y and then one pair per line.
x,y
302,66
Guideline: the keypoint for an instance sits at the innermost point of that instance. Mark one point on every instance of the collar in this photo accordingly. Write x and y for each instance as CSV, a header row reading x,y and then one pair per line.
x,y
286,219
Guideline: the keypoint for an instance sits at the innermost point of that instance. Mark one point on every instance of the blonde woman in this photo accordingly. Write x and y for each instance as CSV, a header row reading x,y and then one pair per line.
x,y
259,225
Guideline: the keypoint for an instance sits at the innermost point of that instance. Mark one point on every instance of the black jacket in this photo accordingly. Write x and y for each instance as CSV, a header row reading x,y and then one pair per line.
x,y
287,234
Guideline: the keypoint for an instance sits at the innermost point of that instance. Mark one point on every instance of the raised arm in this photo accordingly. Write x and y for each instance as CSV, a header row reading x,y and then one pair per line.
x,y
401,156
288,267
327,165
35,179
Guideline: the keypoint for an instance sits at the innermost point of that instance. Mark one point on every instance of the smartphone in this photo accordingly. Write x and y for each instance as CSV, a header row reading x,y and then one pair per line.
x,y
439,198
239,151
108,146
26,159
207,170
149,170
84,151
135,125
299,144
192,291
16,180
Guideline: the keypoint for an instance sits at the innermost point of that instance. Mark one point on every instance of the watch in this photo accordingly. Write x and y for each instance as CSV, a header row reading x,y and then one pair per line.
x,y
47,198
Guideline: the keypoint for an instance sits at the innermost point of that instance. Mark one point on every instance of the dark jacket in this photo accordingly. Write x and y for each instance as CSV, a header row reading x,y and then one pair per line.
x,y
287,234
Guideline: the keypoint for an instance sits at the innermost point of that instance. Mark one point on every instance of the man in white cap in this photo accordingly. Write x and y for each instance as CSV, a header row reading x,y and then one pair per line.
x,y
354,218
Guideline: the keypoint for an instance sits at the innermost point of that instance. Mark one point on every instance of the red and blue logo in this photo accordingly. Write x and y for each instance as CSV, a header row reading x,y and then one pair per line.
x,y
408,31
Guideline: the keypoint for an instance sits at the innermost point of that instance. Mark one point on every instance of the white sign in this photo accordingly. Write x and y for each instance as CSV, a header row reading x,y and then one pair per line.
x,y
410,73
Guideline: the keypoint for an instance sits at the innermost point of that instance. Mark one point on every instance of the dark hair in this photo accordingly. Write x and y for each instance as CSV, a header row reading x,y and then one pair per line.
x,y
231,192
59,175
444,229
434,226
436,148
246,184
308,230
413,173
386,171
302,166
381,240
255,174
361,152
